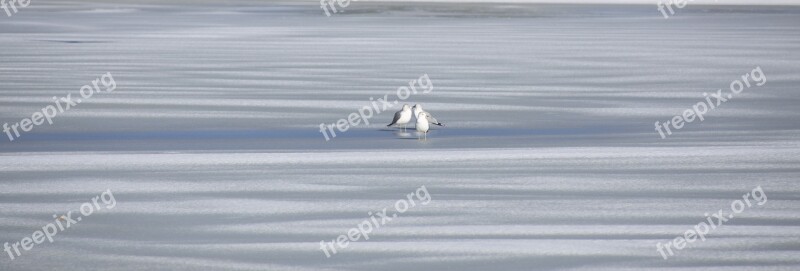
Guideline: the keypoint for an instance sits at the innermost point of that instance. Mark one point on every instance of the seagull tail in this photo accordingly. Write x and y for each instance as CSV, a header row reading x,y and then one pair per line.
x,y
440,124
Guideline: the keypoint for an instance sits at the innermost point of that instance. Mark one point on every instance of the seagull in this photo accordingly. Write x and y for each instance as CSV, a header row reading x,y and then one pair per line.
x,y
402,117
422,124
418,109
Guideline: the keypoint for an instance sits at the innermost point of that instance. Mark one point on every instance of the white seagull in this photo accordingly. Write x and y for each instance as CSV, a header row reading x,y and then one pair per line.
x,y
422,124
418,109
402,117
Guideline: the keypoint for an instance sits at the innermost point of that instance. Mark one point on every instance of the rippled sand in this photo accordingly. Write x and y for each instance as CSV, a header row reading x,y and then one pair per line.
x,y
549,160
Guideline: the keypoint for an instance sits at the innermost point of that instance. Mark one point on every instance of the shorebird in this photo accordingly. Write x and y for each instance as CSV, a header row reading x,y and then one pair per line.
x,y
402,117
418,109
422,124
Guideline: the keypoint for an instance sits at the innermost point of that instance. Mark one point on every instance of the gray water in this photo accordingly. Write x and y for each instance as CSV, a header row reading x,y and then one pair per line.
x,y
548,161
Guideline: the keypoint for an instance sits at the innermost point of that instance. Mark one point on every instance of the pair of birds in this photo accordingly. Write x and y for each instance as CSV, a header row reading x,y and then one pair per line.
x,y
424,119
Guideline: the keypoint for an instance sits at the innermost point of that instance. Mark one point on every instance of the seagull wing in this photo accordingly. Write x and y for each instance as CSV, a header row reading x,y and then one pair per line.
x,y
432,120
396,117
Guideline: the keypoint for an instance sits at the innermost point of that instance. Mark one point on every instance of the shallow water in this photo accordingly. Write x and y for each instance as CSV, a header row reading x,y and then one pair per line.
x,y
548,160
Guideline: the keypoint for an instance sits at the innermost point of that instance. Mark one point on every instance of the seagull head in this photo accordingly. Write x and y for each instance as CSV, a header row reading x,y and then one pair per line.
x,y
405,107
